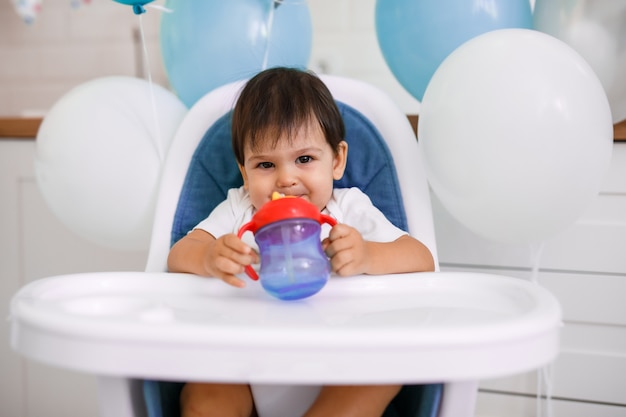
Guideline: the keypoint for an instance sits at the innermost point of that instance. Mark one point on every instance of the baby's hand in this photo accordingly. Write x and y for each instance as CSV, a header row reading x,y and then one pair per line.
x,y
347,250
227,256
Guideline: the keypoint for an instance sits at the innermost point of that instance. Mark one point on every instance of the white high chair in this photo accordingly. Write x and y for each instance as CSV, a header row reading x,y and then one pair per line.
x,y
485,326
384,115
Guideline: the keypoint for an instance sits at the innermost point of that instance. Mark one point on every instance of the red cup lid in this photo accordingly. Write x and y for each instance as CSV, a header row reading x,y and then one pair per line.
x,y
283,208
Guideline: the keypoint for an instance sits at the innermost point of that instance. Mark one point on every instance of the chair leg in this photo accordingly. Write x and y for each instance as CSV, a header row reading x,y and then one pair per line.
x,y
120,397
459,399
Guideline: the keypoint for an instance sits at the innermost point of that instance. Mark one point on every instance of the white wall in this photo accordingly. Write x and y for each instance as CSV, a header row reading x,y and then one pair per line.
x,y
67,46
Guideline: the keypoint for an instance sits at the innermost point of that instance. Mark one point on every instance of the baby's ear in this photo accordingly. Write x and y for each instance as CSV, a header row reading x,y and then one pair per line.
x,y
340,160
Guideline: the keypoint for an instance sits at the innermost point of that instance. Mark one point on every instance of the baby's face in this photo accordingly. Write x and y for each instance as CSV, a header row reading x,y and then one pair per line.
x,y
304,166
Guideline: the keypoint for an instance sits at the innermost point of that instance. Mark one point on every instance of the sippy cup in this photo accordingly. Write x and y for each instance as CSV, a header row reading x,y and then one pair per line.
x,y
293,264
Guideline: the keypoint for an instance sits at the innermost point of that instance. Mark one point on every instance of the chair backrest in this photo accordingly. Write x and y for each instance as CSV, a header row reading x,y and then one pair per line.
x,y
383,160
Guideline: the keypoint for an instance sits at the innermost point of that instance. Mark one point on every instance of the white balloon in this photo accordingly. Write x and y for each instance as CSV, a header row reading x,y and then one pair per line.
x,y
517,135
99,154
596,30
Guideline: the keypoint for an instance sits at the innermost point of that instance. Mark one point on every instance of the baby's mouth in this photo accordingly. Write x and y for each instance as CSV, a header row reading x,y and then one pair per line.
x,y
276,195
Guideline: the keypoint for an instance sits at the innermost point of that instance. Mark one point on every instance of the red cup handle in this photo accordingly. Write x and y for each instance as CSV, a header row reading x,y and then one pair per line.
x,y
248,268
251,273
325,218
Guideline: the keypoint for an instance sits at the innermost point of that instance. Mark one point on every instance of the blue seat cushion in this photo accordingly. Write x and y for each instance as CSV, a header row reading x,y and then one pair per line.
x,y
213,171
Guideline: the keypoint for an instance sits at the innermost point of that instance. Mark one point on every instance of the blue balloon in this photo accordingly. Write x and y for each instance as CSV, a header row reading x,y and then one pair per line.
x,y
206,44
137,4
415,36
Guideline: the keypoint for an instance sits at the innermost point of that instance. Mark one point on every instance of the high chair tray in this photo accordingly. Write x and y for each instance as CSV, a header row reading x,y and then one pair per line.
x,y
406,328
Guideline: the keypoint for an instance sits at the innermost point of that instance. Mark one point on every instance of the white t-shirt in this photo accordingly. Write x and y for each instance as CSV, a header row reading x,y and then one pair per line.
x,y
347,205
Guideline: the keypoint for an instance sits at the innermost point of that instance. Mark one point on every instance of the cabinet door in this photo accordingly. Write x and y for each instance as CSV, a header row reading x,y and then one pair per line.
x,y
33,245
585,268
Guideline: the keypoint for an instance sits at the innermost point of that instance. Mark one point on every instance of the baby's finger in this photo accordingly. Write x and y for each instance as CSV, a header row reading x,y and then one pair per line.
x,y
338,245
233,242
246,257
343,266
234,281
227,266
338,231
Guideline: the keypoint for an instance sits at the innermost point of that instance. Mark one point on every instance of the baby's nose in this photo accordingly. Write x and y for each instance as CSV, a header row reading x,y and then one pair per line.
x,y
286,178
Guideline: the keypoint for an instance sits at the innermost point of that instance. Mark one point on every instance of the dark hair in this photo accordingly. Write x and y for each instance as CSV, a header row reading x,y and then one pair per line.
x,y
279,101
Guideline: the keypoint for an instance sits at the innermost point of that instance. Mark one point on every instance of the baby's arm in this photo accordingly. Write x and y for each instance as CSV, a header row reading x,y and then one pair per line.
x,y
351,255
202,254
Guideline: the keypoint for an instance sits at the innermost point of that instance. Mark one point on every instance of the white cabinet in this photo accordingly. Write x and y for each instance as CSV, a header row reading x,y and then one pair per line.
x,y
585,267
34,244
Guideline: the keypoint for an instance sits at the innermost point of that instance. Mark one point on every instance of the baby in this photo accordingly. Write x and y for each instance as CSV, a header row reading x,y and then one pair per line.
x,y
288,137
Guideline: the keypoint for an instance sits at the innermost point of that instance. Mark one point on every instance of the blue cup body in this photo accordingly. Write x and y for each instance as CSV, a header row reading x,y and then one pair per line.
x,y
293,264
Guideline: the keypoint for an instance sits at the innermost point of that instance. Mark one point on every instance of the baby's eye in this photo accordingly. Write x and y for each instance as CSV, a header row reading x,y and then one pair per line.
x,y
265,165
304,159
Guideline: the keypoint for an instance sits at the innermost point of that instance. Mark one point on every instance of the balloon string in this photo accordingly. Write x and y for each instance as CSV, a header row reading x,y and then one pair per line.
x,y
548,375
270,22
159,7
539,402
545,378
159,144
536,251
544,374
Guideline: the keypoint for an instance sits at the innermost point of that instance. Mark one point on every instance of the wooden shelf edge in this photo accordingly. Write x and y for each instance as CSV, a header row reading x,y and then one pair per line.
x,y
19,127
26,128
619,129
